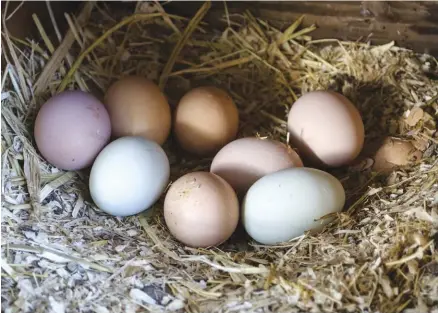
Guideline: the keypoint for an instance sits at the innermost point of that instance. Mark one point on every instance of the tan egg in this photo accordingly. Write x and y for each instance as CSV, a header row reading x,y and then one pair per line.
x,y
326,128
395,152
206,119
201,209
137,107
243,161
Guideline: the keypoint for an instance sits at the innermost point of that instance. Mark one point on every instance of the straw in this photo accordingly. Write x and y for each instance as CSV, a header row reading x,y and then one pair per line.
x,y
60,253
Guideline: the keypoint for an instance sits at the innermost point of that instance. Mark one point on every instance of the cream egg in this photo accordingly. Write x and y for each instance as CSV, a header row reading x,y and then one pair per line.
x,y
243,161
283,205
129,176
326,128
201,209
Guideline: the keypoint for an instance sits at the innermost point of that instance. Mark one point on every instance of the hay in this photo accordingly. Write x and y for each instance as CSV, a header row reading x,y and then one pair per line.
x,y
61,254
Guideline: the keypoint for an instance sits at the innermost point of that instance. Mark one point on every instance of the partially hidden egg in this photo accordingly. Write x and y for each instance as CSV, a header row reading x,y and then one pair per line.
x,y
283,205
71,128
137,107
206,119
243,161
395,152
326,128
201,209
129,176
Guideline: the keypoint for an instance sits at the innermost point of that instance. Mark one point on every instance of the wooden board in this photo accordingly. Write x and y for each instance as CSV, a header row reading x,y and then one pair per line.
x,y
412,25
21,24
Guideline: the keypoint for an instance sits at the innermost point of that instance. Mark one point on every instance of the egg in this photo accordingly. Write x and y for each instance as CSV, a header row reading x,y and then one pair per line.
x,y
137,107
283,205
201,209
129,176
71,128
326,128
206,119
243,161
395,152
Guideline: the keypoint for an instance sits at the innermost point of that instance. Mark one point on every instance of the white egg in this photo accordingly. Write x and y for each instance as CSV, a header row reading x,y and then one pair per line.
x,y
285,204
128,176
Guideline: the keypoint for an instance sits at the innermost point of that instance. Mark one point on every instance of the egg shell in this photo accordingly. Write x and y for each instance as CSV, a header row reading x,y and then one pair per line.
x,y
243,161
395,152
71,128
129,176
283,205
201,209
206,119
326,128
137,107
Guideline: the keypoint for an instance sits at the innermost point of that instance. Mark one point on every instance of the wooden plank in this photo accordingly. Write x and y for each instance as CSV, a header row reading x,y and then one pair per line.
x,y
413,25
21,25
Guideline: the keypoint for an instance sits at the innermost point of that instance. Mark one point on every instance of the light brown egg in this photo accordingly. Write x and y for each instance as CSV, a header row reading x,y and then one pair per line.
x,y
206,119
137,107
71,129
201,209
326,128
395,152
243,161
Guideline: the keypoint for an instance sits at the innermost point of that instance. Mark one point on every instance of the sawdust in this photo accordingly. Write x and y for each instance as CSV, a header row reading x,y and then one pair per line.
x,y
62,254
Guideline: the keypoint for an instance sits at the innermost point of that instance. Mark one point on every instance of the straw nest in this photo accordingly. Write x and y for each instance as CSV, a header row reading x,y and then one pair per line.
x,y
61,254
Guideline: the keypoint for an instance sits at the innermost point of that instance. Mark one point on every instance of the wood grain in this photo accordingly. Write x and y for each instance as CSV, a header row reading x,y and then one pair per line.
x,y
413,25
410,24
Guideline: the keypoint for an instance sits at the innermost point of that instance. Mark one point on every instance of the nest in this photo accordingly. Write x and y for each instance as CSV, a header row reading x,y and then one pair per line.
x,y
62,254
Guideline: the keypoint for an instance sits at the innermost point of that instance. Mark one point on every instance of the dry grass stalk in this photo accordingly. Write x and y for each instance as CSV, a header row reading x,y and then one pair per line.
x,y
60,253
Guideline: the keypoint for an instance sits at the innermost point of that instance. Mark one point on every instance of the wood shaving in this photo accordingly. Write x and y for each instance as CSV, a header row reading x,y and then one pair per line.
x,y
62,254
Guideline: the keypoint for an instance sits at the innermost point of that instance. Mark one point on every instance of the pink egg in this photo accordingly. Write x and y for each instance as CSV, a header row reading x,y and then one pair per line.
x,y
326,128
243,161
71,129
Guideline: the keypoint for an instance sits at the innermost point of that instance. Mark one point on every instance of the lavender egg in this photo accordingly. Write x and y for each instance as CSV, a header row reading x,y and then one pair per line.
x,y
71,129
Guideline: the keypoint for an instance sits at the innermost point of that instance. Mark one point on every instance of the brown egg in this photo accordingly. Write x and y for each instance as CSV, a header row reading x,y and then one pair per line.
x,y
137,107
243,161
71,128
206,119
201,209
326,128
395,152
